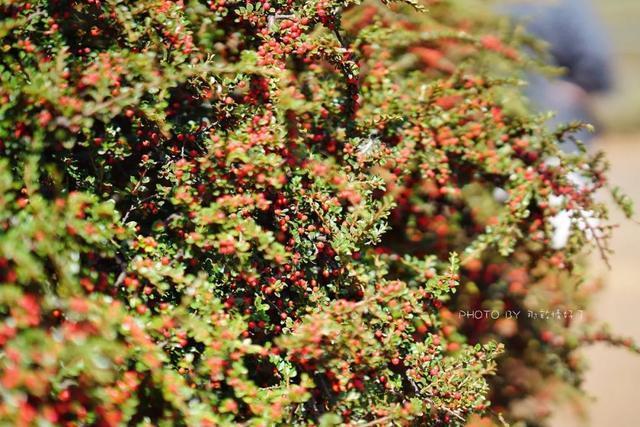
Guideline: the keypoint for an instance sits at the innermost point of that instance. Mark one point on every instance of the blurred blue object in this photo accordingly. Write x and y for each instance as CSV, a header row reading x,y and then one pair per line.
x,y
578,43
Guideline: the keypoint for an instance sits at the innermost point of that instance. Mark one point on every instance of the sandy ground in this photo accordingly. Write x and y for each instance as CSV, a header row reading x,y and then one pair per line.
x,y
614,377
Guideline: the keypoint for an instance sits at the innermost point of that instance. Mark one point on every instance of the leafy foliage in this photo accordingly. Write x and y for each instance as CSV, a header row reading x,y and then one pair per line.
x,y
256,213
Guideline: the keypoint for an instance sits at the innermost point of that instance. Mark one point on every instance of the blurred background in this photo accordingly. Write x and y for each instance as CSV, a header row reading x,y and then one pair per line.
x,y
614,377
613,380
598,42
620,110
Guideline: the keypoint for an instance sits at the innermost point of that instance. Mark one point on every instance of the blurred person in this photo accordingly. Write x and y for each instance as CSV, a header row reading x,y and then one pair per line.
x,y
576,42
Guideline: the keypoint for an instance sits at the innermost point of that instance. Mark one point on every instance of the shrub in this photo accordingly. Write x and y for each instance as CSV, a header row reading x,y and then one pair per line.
x,y
288,212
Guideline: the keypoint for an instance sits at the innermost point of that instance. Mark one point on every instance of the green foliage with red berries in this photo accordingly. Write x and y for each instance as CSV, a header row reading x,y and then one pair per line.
x,y
218,212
